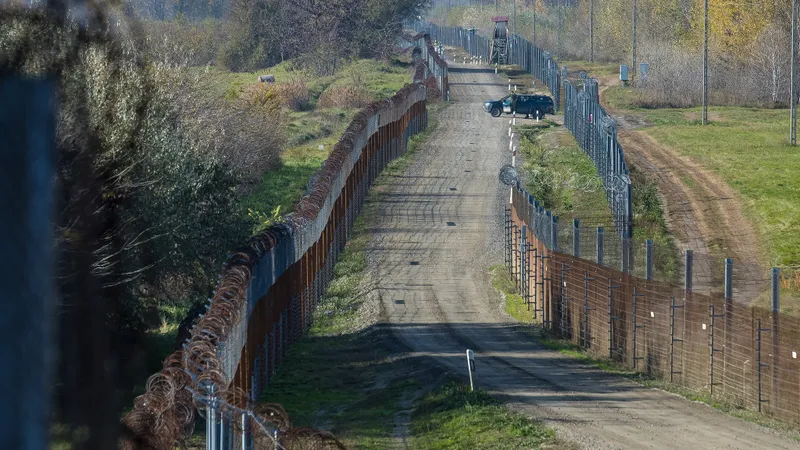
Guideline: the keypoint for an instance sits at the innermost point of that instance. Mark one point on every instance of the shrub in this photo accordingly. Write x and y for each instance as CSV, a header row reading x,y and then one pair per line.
x,y
345,96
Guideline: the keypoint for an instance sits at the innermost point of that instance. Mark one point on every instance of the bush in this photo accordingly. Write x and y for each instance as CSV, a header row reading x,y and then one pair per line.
x,y
247,134
345,96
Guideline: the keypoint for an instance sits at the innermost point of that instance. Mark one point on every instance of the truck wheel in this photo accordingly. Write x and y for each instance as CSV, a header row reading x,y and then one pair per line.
x,y
539,115
496,112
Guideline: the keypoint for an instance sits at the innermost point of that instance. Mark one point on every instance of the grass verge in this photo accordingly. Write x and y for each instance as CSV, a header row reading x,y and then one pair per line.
x,y
453,417
514,306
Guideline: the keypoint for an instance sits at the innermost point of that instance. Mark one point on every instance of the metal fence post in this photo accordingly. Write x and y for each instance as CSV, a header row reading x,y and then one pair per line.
x,y
649,259
576,238
523,263
759,364
776,353
687,282
728,314
600,245
27,130
586,308
211,418
554,235
625,254
673,340
636,296
712,350
245,432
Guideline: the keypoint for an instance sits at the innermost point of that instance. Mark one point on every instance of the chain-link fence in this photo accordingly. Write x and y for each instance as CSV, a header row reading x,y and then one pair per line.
x,y
266,296
617,308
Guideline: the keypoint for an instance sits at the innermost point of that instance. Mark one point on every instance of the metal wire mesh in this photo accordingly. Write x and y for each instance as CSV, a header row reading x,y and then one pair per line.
x,y
713,341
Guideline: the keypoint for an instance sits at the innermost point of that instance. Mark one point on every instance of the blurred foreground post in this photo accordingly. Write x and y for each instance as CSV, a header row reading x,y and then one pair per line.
x,y
27,121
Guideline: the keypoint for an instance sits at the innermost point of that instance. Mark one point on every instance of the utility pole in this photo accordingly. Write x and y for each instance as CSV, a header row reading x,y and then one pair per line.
x,y
591,30
793,100
705,62
559,11
635,17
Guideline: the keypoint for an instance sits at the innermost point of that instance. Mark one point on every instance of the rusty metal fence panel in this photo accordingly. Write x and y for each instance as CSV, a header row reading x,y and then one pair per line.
x,y
708,343
269,289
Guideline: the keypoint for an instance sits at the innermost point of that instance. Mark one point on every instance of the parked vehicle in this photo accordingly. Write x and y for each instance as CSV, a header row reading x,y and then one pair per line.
x,y
532,105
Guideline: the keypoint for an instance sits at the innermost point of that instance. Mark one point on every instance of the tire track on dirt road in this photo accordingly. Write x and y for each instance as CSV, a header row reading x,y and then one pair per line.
x,y
439,228
702,211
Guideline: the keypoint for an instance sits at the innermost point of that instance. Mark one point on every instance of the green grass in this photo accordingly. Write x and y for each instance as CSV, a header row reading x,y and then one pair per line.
x,y
560,175
282,188
595,69
748,148
515,306
453,417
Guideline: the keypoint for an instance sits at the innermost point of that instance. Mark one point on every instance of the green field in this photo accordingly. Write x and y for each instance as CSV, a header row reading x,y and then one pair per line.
x,y
749,149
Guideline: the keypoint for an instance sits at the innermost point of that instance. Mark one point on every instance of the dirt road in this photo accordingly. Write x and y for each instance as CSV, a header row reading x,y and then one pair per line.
x,y
702,211
439,229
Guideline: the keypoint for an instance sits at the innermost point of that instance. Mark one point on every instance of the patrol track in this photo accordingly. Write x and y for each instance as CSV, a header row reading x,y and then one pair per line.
x,y
435,291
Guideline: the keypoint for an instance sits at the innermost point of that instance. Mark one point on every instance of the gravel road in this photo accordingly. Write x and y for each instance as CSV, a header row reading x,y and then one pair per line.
x,y
439,229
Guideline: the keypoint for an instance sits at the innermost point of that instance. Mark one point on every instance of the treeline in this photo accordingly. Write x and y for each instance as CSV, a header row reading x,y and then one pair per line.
x,y
314,34
749,42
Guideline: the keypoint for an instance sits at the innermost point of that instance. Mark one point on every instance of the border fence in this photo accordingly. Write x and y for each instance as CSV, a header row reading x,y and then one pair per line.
x,y
593,128
596,133
434,64
266,297
711,343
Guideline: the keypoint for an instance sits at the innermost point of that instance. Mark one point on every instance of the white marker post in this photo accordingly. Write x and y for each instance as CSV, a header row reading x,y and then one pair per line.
x,y
511,142
514,118
470,368
495,68
514,157
509,84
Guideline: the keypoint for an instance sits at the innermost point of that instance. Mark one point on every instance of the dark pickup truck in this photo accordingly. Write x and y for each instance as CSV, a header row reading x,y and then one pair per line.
x,y
528,104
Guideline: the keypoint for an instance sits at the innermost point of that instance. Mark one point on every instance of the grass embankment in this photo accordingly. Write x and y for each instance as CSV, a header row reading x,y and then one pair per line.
x,y
348,375
312,133
748,148
564,179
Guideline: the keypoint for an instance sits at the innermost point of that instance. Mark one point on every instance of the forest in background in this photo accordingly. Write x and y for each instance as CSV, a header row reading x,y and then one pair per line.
x,y
749,42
